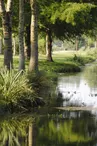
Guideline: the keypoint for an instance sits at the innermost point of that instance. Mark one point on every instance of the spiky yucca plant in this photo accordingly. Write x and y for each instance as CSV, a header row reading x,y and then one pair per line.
x,y
14,86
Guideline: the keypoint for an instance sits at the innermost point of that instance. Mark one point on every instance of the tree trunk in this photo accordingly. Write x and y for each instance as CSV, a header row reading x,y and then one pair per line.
x,y
76,44
33,65
14,46
7,32
27,42
21,35
32,135
0,46
95,42
46,44
49,47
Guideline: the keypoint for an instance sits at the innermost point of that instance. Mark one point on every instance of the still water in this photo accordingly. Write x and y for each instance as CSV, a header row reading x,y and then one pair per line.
x,y
81,89
58,126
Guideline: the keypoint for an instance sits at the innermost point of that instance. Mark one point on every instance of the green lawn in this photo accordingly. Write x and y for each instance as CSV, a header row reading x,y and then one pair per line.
x,y
64,61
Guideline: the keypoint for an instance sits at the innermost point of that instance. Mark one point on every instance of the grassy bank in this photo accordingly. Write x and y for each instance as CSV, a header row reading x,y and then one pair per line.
x,y
64,61
22,91
59,67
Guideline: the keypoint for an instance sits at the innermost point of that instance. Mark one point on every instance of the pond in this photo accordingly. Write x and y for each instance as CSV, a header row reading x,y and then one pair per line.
x,y
74,123
80,89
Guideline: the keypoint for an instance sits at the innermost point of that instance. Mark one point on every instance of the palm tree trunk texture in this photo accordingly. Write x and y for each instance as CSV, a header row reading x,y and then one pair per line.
x,y
21,35
33,65
6,15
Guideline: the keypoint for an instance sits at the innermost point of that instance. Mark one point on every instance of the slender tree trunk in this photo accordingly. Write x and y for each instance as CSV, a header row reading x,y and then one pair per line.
x,y
21,35
27,42
76,44
96,42
14,46
33,65
6,15
49,47
46,44
32,135
0,46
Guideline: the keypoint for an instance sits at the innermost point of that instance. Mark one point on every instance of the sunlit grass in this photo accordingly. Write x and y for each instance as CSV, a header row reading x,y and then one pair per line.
x,y
82,57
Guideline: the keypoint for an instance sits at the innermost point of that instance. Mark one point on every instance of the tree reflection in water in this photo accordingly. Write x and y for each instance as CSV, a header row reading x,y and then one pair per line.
x,y
76,129
70,128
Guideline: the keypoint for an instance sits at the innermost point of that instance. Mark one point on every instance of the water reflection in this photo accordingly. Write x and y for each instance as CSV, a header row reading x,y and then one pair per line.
x,y
14,131
58,129
54,127
81,89
67,128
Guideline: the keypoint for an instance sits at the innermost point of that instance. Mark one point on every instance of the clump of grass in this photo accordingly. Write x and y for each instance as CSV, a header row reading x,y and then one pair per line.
x,y
14,87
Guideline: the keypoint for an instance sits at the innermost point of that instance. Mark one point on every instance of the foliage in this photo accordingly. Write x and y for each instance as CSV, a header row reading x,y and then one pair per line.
x,y
69,130
44,84
81,16
41,82
91,52
12,128
73,19
42,46
14,87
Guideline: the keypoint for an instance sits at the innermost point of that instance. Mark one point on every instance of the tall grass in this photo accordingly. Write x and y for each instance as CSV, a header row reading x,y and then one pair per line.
x,y
14,87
